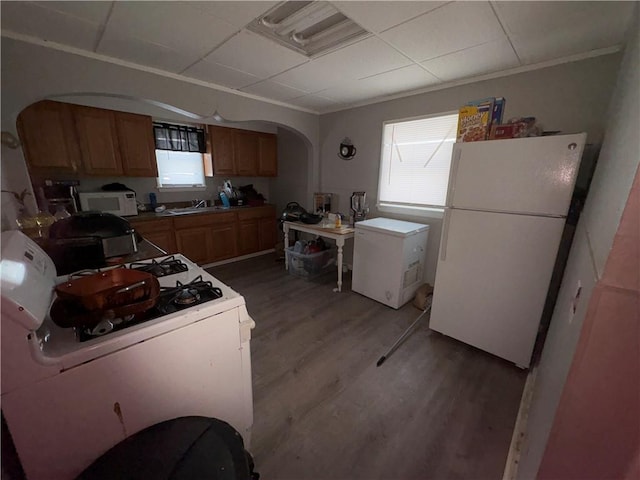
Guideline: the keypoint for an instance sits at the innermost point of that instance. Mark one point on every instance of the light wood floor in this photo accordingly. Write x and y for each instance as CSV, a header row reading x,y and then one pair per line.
x,y
435,409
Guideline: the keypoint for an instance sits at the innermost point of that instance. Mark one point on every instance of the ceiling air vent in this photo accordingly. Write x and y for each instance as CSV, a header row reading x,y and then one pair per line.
x,y
310,28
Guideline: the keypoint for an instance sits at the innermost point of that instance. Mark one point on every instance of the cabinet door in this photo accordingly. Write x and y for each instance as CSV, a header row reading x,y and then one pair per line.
x,y
267,155
159,232
245,145
165,240
224,241
98,141
222,150
49,138
196,244
267,233
137,146
248,237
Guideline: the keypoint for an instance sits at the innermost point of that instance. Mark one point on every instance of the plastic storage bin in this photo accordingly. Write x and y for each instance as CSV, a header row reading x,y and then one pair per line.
x,y
312,264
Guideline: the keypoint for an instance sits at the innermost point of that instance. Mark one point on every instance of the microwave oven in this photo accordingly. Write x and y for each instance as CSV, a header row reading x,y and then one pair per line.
x,y
118,203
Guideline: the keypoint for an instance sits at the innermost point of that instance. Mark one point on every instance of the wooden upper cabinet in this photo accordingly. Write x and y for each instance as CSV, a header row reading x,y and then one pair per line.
x,y
97,136
243,152
137,145
222,150
267,155
245,147
48,138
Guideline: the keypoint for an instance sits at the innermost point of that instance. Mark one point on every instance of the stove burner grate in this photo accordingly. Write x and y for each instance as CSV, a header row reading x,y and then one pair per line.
x,y
185,295
167,266
170,300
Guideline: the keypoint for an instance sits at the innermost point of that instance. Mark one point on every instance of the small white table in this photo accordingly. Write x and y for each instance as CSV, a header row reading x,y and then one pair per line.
x,y
338,234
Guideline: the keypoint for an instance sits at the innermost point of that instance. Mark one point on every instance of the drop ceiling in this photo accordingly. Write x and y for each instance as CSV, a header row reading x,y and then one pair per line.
x,y
412,45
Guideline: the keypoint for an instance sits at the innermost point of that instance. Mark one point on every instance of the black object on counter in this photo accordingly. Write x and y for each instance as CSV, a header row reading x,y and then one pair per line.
x,y
90,224
74,254
86,239
116,187
292,212
310,218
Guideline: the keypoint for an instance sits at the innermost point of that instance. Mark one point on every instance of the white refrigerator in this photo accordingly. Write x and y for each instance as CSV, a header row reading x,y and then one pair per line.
x,y
507,203
388,259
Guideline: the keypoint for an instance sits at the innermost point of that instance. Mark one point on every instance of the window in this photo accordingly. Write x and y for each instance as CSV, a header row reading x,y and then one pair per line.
x,y
179,169
415,162
179,155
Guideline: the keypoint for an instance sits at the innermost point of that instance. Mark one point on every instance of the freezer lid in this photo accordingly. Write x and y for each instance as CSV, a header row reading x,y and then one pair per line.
x,y
389,226
533,175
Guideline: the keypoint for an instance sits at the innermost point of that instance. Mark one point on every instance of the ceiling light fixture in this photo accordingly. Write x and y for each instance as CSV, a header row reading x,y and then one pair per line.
x,y
310,28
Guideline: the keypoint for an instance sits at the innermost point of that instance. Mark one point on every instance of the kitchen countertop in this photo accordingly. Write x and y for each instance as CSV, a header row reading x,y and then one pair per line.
x,y
197,211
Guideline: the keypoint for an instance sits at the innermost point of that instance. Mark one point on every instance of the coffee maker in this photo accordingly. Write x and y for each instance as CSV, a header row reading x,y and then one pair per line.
x,y
359,206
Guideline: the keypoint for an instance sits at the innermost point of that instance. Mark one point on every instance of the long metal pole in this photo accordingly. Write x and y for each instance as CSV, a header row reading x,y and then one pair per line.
x,y
402,337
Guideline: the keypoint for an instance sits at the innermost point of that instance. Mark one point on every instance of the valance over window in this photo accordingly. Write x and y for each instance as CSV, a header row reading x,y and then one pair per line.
x,y
179,138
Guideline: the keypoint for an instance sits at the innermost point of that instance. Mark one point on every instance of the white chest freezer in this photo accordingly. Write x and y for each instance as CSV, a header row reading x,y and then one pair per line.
x,y
388,259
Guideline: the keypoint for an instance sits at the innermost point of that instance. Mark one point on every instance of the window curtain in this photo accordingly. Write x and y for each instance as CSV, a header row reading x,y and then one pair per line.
x,y
179,138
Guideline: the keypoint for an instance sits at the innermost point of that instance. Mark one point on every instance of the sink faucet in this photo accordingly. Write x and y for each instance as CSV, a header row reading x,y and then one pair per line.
x,y
199,203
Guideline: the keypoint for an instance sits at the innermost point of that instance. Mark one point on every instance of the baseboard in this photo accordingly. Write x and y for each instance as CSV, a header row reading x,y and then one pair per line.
x,y
237,259
520,427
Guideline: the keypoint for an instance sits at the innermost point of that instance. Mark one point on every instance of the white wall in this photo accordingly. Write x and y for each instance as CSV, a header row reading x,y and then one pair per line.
x,y
571,97
289,185
32,72
617,166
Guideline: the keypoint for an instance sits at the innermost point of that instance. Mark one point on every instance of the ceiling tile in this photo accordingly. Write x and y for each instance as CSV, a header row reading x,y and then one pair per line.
x,y
380,16
176,25
253,54
401,79
314,102
453,27
537,17
353,91
143,53
533,48
490,57
95,12
310,77
387,83
219,74
236,13
274,90
32,19
362,59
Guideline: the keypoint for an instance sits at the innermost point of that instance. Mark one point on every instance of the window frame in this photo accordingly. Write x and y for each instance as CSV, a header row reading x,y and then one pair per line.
x,y
425,210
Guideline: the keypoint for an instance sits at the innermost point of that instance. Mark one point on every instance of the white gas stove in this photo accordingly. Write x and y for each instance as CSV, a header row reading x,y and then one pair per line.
x,y
69,394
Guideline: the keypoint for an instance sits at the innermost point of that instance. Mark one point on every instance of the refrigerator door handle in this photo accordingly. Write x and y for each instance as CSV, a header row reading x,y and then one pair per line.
x,y
445,234
455,161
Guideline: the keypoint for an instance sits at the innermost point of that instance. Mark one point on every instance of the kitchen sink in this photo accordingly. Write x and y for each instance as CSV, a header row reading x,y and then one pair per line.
x,y
189,210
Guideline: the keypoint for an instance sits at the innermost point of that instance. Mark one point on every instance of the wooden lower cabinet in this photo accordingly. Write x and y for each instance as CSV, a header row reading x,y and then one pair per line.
x,y
195,243
257,229
248,237
224,242
207,238
212,237
267,232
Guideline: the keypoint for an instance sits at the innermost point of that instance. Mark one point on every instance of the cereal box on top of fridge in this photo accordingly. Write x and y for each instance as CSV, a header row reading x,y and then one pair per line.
x,y
474,120
498,110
